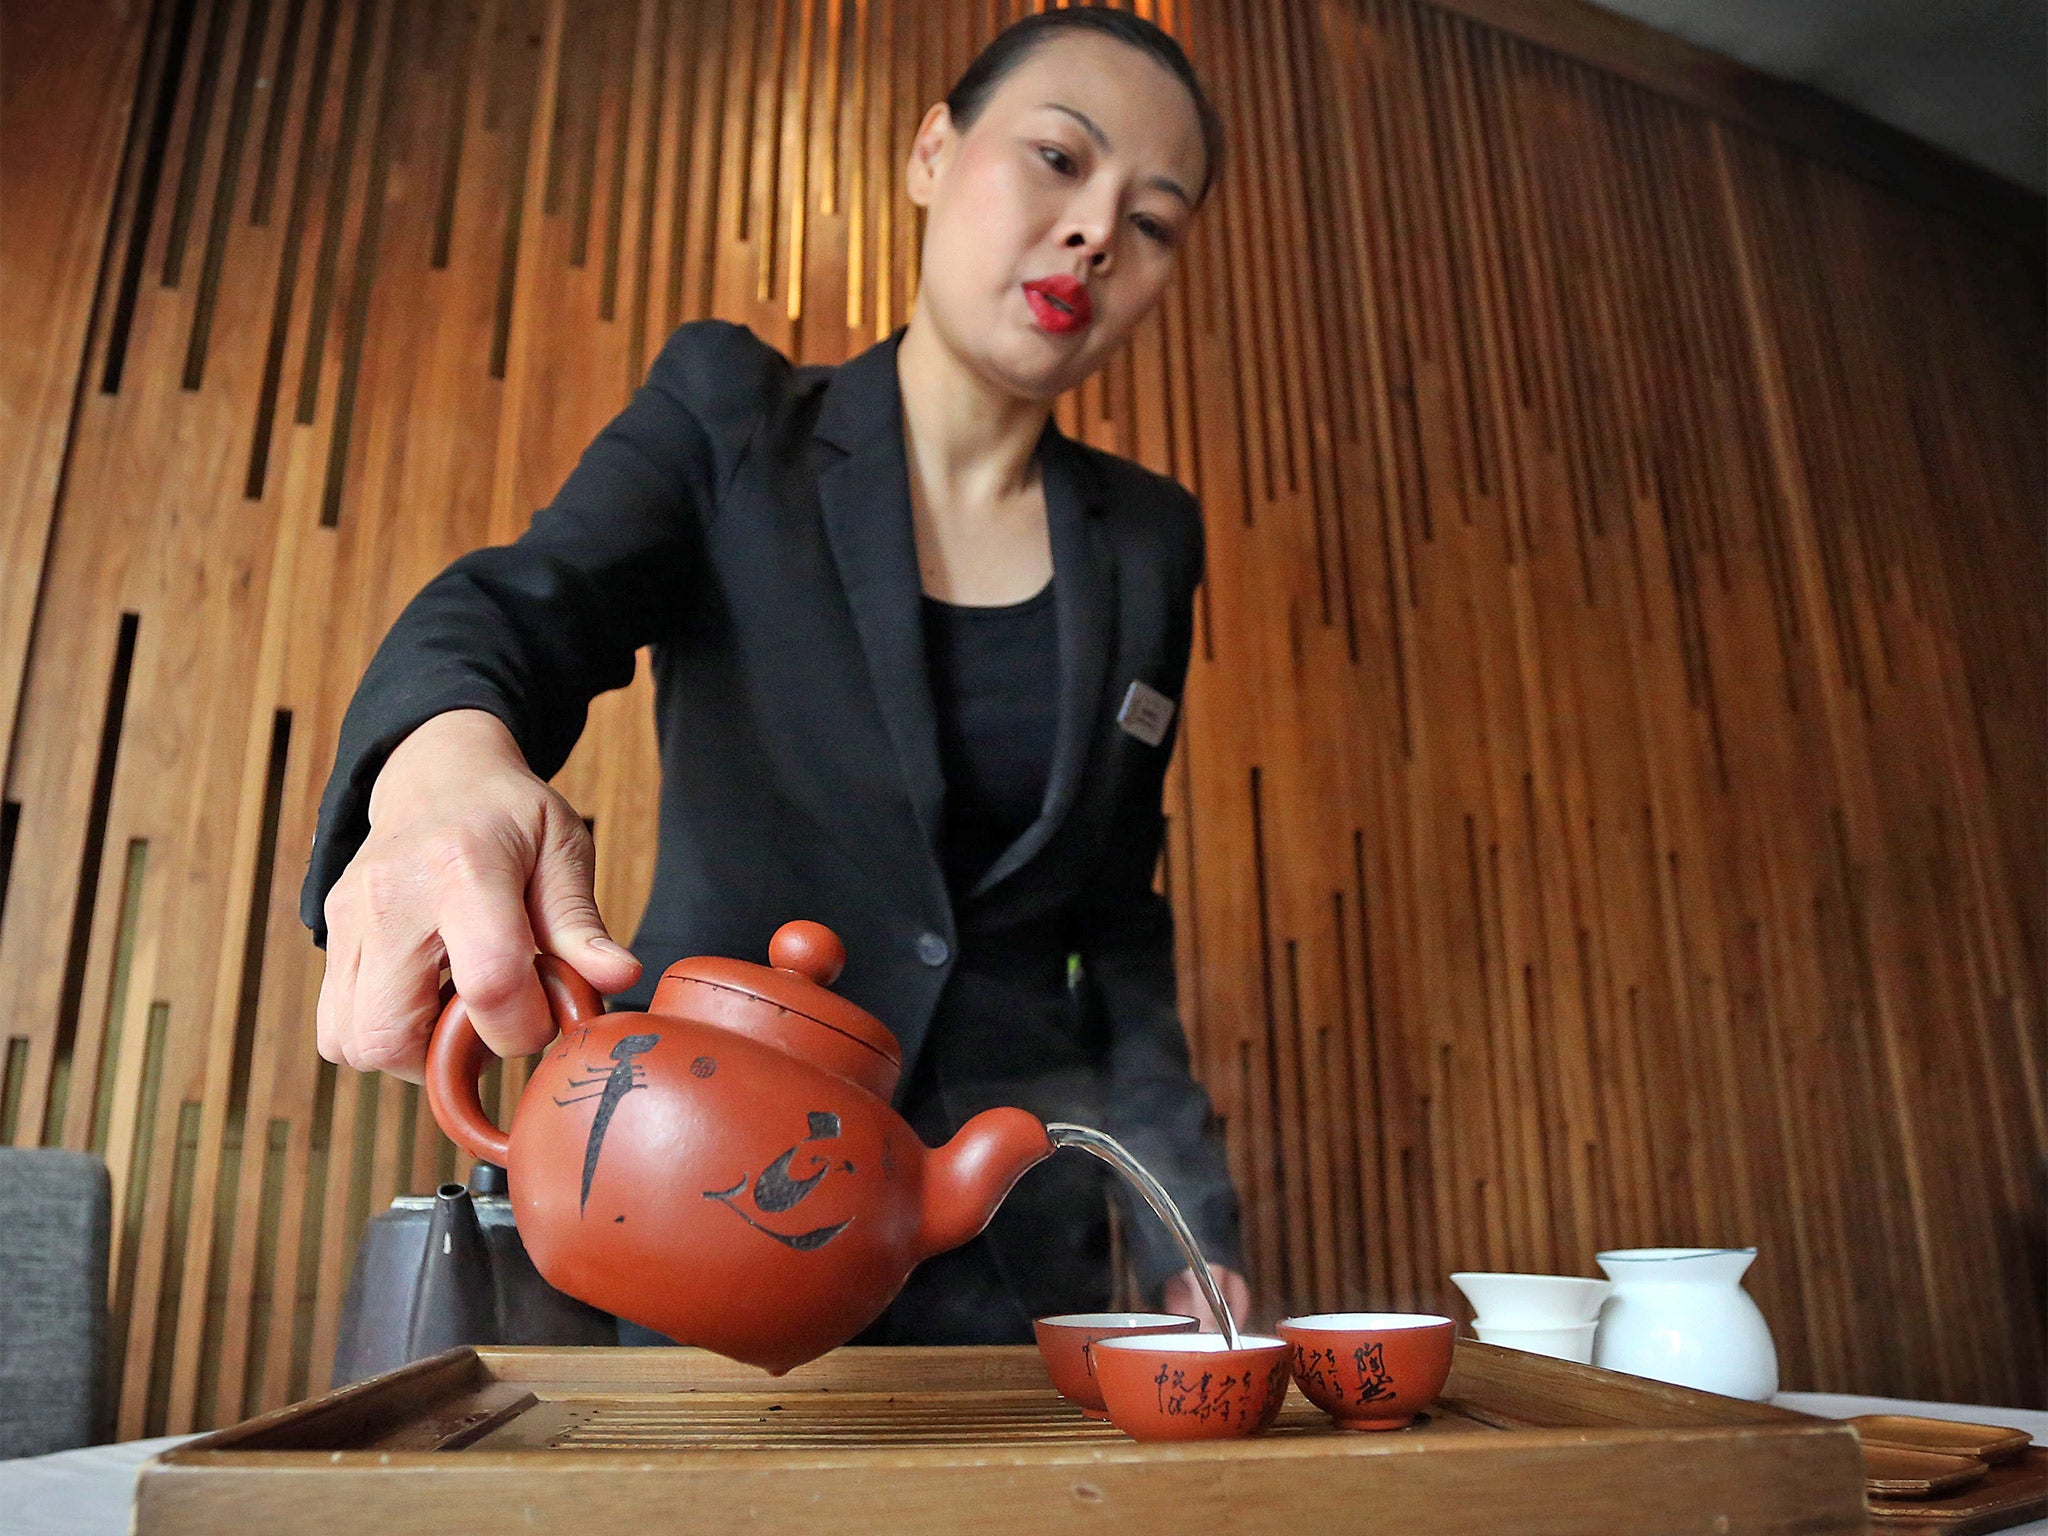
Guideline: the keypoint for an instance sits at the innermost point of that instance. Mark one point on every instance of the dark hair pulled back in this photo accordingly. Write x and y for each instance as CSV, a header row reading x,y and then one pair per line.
x,y
1018,41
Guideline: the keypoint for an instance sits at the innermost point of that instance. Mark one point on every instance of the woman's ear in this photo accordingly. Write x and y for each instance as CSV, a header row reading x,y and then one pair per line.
x,y
929,151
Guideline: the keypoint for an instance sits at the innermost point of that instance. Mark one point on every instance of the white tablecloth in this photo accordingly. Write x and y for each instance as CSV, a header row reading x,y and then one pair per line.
x,y
89,1492
75,1493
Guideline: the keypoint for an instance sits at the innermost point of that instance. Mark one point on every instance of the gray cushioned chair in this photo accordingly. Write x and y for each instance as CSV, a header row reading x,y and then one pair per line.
x,y
54,1211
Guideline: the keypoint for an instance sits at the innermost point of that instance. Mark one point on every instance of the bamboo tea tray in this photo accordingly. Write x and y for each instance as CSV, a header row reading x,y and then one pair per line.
x,y
910,1442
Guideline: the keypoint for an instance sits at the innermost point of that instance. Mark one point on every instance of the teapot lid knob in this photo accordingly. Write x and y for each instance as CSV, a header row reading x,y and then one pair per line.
x,y
810,949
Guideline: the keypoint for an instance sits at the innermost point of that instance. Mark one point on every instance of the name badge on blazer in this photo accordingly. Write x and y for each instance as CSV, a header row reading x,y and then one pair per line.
x,y
1146,713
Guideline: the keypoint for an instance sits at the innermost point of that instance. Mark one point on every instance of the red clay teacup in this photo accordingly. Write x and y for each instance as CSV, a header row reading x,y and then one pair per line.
x,y
1192,1386
1370,1370
1066,1341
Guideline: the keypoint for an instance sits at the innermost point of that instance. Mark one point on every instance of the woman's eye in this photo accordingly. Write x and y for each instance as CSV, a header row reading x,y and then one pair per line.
x,y
1055,157
1156,230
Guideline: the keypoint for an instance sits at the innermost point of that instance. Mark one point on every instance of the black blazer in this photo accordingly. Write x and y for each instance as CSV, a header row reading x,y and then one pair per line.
x,y
750,521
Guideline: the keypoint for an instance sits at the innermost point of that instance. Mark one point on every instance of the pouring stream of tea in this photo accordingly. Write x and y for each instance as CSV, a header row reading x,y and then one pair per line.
x,y
1111,1151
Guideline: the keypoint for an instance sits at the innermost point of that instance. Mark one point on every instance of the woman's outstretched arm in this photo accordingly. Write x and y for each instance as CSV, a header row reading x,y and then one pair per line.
x,y
438,837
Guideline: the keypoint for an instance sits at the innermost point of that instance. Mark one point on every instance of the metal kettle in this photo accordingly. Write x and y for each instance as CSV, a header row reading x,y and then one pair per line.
x,y
449,1268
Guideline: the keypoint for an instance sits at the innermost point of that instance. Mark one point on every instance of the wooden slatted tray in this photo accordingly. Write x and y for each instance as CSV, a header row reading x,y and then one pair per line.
x,y
905,1441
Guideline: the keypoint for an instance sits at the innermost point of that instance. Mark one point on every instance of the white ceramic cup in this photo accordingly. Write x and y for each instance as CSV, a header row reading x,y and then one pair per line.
x,y
1533,1301
1573,1342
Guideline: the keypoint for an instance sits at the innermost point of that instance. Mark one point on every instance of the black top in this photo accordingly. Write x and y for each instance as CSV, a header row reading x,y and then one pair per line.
x,y
749,522
995,697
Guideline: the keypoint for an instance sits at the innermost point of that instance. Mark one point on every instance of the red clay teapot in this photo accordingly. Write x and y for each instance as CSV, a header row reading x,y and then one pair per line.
x,y
725,1168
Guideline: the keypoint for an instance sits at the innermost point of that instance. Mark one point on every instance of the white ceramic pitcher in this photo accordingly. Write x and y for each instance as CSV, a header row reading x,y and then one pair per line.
x,y
1681,1315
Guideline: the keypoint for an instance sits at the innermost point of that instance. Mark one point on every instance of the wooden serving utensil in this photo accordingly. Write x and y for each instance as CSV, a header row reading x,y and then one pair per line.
x,y
1989,1443
1891,1473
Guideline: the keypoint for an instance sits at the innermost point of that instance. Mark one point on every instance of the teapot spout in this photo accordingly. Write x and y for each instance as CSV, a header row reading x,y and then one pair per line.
x,y
967,1178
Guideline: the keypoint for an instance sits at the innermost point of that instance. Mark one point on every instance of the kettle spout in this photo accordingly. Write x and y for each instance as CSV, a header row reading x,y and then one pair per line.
x,y
456,1299
967,1178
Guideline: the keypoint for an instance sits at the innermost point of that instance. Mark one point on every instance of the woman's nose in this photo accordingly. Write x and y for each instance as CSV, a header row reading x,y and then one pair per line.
x,y
1095,243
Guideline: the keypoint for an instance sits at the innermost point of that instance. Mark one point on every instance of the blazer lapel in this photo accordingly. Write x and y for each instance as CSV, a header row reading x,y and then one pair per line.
x,y
866,500
1084,599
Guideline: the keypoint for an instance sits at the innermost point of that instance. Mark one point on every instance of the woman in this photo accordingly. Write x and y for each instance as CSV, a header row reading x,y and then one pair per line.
x,y
917,656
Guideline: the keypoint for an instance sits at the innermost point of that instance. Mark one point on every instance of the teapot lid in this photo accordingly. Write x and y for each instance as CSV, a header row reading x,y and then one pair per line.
x,y
804,959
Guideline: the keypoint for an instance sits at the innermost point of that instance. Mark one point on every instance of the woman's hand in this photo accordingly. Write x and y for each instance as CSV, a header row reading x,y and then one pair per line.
x,y
1183,1295
471,860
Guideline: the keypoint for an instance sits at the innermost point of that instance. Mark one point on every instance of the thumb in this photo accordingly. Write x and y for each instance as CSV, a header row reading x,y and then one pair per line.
x,y
562,905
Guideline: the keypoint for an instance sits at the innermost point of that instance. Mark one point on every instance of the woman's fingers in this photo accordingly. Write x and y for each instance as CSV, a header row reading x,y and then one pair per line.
x,y
397,997
1237,1293
481,911
459,824
333,1016
1183,1294
561,902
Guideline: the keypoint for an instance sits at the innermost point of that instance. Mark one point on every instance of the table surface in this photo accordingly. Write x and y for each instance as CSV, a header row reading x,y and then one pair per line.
x,y
90,1492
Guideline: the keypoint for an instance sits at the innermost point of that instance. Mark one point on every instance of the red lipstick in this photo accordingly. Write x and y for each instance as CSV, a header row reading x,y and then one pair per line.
x,y
1059,302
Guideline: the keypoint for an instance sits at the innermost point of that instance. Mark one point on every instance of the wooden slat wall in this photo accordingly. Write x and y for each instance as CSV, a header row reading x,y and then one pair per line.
x,y
1610,809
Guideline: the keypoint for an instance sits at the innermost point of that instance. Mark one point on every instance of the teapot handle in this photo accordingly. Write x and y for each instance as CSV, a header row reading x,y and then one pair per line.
x,y
457,1056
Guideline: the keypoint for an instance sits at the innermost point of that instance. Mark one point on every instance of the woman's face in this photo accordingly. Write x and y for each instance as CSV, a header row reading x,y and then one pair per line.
x,y
1079,169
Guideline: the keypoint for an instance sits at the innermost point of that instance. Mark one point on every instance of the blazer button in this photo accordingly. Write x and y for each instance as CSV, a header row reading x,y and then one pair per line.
x,y
932,949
